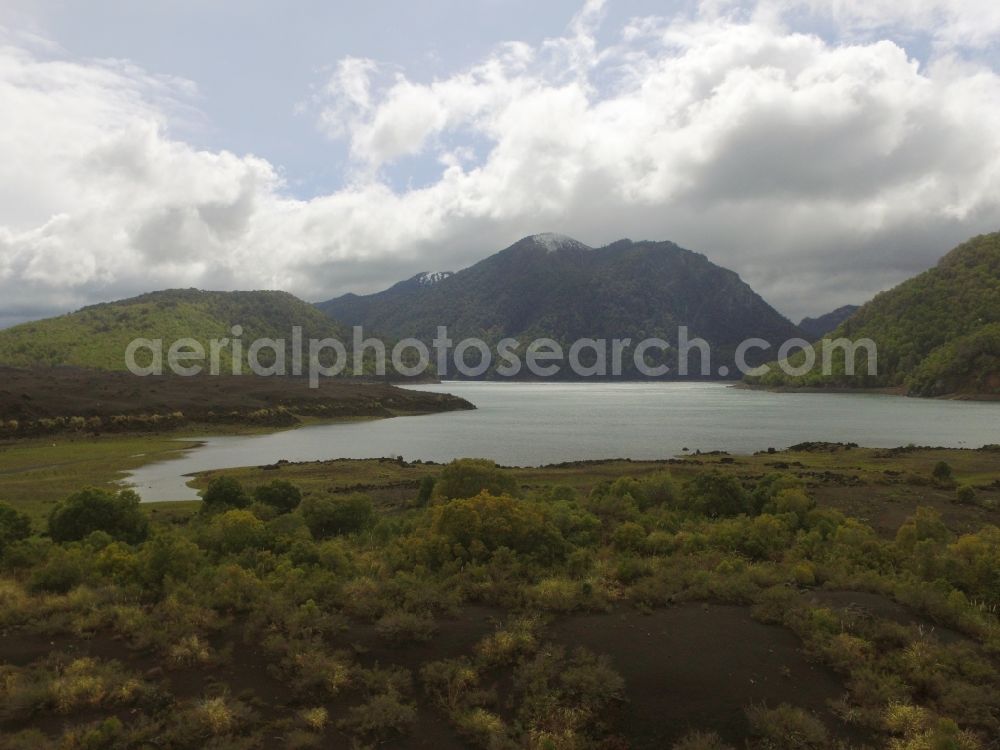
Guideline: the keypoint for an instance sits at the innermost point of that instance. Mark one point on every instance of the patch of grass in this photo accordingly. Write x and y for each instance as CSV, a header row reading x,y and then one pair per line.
x,y
35,474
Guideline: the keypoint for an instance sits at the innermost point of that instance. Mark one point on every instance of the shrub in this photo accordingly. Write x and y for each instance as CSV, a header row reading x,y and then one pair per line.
x,y
88,683
786,728
790,501
966,495
93,509
660,489
426,491
701,741
281,495
168,555
189,651
62,571
629,537
716,495
235,531
486,523
468,477
222,494
484,728
220,715
382,716
769,486
331,516
450,682
942,472
402,627
14,526
507,644
804,574
315,718
556,594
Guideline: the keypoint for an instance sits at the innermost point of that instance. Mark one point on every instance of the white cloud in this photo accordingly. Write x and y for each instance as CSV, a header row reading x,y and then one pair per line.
x,y
821,171
949,23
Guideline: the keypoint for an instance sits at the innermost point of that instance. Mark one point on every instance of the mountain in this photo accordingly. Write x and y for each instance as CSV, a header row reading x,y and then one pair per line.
x,y
817,328
937,333
97,336
554,286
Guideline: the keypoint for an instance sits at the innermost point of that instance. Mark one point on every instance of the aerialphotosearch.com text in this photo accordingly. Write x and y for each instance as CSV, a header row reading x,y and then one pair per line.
x,y
474,357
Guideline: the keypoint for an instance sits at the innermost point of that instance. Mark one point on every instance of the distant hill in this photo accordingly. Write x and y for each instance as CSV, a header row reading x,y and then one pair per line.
x,y
937,334
554,286
817,328
96,336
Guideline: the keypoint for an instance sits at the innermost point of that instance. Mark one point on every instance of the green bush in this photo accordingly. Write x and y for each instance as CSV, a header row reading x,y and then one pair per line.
x,y
716,495
235,531
786,728
168,555
485,523
222,494
63,570
381,717
14,526
468,477
342,514
401,627
281,495
942,472
792,502
426,491
93,509
768,487
629,537
966,495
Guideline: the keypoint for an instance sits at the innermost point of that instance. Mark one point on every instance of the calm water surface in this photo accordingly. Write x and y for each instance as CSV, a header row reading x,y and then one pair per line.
x,y
529,424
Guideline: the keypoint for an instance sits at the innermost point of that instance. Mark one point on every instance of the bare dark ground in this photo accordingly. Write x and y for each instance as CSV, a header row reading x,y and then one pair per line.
x,y
693,666
698,666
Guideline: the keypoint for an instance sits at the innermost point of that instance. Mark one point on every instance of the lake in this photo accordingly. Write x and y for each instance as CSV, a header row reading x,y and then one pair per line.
x,y
529,424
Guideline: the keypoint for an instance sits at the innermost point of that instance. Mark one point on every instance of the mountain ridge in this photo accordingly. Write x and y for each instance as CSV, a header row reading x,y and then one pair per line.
x,y
937,333
816,328
557,287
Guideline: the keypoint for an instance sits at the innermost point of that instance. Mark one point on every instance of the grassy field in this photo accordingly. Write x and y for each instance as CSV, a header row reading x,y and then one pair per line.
x,y
36,474
880,487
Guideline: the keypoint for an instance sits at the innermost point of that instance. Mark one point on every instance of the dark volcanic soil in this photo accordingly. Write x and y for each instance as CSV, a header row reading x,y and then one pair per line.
x,y
698,666
693,666
30,395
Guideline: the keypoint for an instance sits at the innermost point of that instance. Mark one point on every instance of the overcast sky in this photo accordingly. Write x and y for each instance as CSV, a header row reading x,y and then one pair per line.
x,y
323,147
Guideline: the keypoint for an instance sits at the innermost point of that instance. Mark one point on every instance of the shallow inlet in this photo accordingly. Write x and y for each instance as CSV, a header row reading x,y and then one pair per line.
x,y
531,424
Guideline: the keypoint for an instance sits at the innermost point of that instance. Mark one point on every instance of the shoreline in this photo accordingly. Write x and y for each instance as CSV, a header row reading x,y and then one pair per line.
x,y
883,391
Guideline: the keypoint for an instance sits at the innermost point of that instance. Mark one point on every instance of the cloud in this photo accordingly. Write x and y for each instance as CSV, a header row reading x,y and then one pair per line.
x,y
949,23
822,171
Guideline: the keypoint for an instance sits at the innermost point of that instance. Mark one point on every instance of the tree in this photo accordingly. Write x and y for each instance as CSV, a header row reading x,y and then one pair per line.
x,y
224,493
330,516
14,526
714,494
467,477
280,495
94,509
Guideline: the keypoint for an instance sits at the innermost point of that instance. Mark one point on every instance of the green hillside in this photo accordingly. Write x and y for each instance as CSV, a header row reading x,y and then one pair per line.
x,y
97,336
937,334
